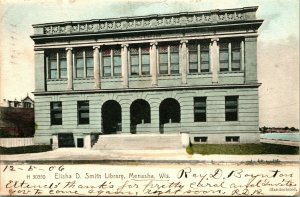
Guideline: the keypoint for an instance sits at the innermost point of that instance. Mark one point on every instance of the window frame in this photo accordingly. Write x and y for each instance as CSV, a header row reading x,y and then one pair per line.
x,y
134,52
231,110
81,110
200,116
174,52
145,51
204,50
109,57
52,56
116,53
163,64
236,47
224,48
193,50
55,111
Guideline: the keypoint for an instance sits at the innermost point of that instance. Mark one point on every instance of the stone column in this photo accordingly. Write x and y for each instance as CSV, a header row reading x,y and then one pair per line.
x,y
69,68
229,56
214,60
169,60
184,62
96,67
242,55
124,55
153,63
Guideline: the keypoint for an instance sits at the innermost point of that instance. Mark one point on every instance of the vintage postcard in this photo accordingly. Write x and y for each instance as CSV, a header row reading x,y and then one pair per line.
x,y
149,98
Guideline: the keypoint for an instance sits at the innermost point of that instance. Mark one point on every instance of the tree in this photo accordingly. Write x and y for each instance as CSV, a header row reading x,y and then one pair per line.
x,y
293,129
22,119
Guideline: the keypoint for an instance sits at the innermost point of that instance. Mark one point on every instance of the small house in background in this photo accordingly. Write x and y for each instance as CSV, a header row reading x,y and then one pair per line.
x,y
27,102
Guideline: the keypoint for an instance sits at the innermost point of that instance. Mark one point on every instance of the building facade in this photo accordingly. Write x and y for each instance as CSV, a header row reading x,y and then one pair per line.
x,y
192,72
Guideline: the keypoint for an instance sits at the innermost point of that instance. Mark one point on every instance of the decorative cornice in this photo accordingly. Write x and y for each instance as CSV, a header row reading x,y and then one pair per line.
x,y
148,22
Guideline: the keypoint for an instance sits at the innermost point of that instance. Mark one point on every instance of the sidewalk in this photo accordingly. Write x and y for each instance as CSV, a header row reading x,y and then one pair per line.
x,y
78,155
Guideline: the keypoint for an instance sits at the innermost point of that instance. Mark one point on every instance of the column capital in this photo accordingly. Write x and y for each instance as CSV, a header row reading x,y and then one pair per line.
x,y
153,43
96,47
123,45
215,39
69,49
184,41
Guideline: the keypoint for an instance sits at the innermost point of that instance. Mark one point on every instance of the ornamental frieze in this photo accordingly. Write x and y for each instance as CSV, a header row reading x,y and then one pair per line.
x,y
147,22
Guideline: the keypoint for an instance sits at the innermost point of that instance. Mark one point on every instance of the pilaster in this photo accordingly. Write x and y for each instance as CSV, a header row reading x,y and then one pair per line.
x,y
124,55
153,63
214,60
96,55
251,60
69,68
184,62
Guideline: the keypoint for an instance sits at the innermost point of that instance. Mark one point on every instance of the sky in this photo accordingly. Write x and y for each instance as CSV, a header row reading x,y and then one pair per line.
x,y
278,43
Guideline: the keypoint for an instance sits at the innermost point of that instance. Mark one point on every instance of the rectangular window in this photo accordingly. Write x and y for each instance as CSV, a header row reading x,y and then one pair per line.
x,y
52,64
174,54
107,63
117,62
200,109
200,139
232,138
62,65
145,61
236,56
204,57
163,59
83,112
231,108
79,64
224,56
80,143
89,59
134,61
56,113
193,58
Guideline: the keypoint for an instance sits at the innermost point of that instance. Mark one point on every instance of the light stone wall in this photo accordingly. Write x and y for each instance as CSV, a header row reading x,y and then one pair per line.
x,y
215,127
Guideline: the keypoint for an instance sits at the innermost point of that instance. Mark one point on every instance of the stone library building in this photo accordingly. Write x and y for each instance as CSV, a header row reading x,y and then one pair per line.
x,y
146,81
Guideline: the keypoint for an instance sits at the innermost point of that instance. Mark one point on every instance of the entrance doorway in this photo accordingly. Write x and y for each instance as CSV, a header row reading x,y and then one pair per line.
x,y
139,114
169,112
111,117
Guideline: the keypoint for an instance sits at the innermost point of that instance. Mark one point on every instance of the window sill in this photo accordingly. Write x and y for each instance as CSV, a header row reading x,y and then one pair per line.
x,y
201,73
112,77
165,75
88,78
138,76
64,79
229,72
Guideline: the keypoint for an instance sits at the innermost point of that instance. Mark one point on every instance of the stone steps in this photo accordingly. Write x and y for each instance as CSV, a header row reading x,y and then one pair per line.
x,y
138,142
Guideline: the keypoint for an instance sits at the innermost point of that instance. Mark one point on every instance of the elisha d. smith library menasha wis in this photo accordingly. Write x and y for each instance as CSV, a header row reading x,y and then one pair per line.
x,y
148,81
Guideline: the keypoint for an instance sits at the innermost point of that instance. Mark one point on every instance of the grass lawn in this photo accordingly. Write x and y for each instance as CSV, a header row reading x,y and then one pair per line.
x,y
242,149
24,149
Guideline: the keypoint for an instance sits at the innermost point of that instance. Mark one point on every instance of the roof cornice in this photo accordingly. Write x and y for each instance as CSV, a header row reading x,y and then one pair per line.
x,y
182,19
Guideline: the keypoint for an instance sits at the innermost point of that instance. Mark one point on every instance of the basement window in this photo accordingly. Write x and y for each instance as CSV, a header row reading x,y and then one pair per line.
x,y
200,139
232,138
